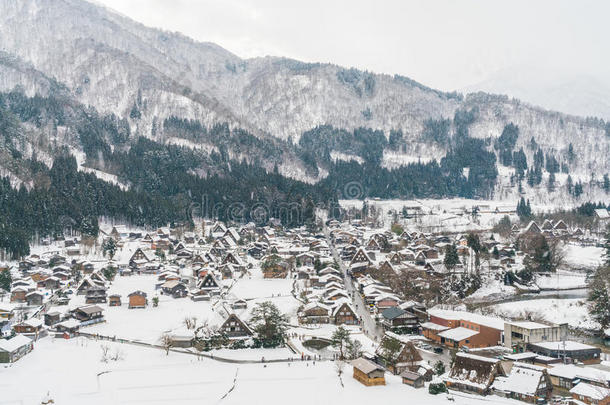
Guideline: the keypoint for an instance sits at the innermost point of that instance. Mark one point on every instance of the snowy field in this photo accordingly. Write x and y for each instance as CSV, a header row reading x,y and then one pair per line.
x,y
583,257
450,215
72,373
572,311
562,280
147,325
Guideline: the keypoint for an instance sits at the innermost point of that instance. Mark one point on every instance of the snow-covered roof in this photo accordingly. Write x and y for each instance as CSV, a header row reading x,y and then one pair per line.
x,y
364,365
602,213
571,372
567,345
477,357
70,323
14,343
458,334
483,320
433,326
591,391
529,325
523,379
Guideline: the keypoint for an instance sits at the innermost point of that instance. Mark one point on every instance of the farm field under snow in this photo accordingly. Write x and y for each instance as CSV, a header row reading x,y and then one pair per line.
x,y
583,257
147,325
72,373
572,311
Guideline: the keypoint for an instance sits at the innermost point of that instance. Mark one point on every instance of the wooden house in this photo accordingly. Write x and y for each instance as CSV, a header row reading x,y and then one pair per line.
x,y
367,372
174,288
239,304
413,379
85,285
407,359
276,269
34,298
361,256
314,313
398,319
138,258
233,327
51,283
473,374
525,382
95,295
344,314
88,313
114,300
18,294
32,327
13,349
51,318
227,271
137,299
209,283
591,394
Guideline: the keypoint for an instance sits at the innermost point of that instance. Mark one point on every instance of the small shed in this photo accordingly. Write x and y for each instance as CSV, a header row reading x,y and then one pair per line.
x,y
367,372
114,300
412,379
137,299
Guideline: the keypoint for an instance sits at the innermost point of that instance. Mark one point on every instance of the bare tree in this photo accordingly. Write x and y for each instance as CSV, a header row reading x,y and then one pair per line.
x,y
117,355
339,366
105,353
190,322
167,342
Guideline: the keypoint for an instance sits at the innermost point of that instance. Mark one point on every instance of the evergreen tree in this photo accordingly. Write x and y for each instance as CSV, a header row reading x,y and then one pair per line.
x,y
340,340
551,183
571,154
269,324
578,189
606,183
524,210
390,350
451,257
599,296
109,247
569,184
5,280
439,368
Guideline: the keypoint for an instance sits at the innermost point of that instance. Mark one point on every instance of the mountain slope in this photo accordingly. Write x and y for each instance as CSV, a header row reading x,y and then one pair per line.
x,y
146,75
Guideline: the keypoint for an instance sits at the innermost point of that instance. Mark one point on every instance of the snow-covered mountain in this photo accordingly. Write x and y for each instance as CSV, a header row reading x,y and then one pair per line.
x,y
116,65
568,92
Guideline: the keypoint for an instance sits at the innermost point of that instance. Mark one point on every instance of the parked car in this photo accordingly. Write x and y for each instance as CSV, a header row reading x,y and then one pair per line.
x,y
438,350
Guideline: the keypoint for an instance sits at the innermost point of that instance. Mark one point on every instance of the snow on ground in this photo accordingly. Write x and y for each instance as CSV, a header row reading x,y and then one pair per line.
x,y
110,178
449,215
346,157
583,257
572,311
392,160
206,147
147,324
107,177
492,289
72,373
254,354
561,280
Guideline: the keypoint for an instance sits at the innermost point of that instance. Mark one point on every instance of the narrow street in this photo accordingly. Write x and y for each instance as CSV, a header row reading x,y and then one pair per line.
x,y
368,324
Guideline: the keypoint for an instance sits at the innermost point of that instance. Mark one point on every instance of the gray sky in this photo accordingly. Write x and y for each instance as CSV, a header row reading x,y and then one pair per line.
x,y
446,44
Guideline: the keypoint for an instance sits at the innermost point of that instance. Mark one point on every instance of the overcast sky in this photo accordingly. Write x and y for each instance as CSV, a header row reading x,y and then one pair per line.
x,y
446,44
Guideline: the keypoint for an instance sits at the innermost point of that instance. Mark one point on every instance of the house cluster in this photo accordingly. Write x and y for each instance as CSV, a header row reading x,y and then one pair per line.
x,y
553,230
327,300
415,254
522,377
